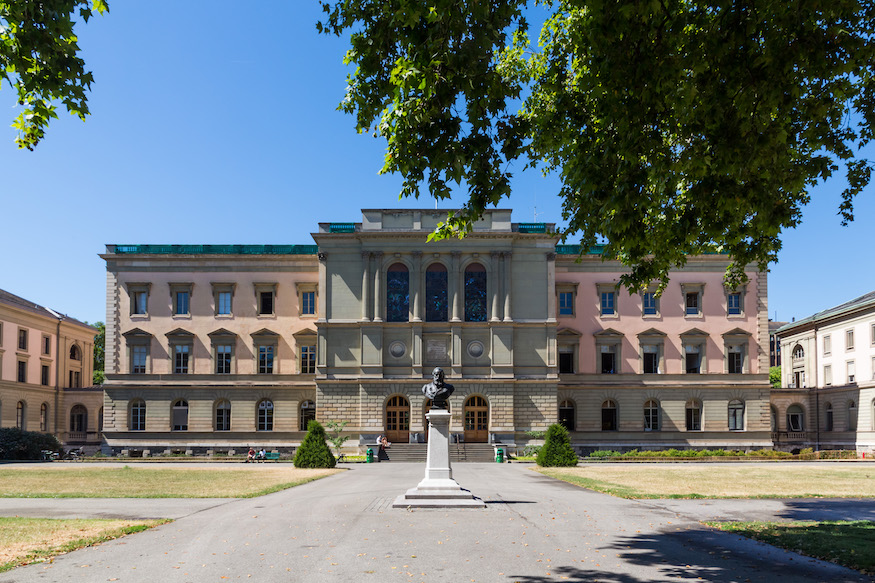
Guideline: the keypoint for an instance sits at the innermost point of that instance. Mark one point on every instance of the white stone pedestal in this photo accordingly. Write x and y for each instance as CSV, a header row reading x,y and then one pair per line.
x,y
438,489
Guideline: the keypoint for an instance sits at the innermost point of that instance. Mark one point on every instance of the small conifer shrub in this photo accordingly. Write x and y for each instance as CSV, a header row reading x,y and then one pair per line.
x,y
314,451
557,450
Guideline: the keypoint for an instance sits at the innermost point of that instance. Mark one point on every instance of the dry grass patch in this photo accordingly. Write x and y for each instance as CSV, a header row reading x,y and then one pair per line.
x,y
724,480
65,481
30,540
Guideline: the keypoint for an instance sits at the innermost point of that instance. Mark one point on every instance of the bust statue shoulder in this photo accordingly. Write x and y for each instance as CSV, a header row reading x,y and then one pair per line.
x,y
438,390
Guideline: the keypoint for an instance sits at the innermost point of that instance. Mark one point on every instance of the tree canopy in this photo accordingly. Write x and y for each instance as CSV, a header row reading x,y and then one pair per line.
x,y
39,58
676,127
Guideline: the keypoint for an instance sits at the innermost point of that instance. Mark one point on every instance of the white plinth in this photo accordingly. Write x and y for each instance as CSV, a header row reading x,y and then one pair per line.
x,y
438,489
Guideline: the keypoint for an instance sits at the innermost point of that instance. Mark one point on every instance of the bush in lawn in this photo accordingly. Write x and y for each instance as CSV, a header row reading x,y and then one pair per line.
x,y
314,452
557,450
16,444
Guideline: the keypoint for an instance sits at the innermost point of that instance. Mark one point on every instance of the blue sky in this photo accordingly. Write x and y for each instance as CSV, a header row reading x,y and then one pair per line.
x,y
217,123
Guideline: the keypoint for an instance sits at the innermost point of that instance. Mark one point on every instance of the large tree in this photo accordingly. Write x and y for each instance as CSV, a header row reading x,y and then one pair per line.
x,y
39,58
676,127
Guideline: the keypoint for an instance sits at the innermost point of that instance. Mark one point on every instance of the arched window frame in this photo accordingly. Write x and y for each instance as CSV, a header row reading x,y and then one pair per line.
x,y
735,413
137,415
264,415
569,419
652,421
307,413
693,417
44,417
610,416
829,424
398,293
476,284
222,415
437,297
179,415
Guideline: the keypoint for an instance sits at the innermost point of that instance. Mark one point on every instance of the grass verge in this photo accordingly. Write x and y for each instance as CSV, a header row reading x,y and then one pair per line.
x,y
851,544
723,481
65,481
32,540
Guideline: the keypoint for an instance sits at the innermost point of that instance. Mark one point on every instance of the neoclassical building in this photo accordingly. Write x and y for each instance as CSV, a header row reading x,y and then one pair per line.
x,y
827,399
225,346
46,364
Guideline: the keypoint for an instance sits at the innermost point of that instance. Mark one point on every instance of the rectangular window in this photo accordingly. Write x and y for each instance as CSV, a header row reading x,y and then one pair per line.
x,y
308,302
827,375
308,359
44,375
694,418
651,363
733,303
47,345
138,359
223,359
566,303
649,302
566,360
827,344
692,359
735,360
181,303
22,339
265,303
180,363
22,371
849,339
608,303
77,380
265,360
608,359
873,334
140,302
794,421
852,372
223,417
223,303
692,303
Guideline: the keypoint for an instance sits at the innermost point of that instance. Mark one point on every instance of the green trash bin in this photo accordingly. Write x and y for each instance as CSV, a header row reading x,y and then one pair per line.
x,y
499,456
369,456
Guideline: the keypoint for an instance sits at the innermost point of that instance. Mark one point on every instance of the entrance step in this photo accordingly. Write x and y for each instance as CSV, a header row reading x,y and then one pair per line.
x,y
459,452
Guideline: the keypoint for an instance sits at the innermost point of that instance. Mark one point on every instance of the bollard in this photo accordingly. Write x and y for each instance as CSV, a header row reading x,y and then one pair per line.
x,y
369,456
499,456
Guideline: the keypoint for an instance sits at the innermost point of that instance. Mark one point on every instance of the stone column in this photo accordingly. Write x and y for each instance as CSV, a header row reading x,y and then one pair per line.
x,y
456,285
494,278
366,285
551,287
416,286
378,292
508,285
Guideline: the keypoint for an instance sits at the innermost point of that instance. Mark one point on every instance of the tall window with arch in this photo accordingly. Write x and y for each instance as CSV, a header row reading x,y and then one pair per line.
x,y
436,293
44,417
137,419
397,293
78,420
180,415
736,415
223,415
566,414
475,293
694,415
264,421
651,415
609,415
75,353
308,413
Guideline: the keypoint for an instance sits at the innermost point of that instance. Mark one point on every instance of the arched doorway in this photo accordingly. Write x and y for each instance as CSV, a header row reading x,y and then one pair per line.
x,y
398,419
78,422
476,420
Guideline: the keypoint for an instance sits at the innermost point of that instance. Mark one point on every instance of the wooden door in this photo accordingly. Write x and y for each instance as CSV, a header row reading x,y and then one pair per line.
x,y
476,420
398,420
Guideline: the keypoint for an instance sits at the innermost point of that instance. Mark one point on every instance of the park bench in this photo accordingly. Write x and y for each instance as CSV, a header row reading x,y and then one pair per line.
x,y
270,456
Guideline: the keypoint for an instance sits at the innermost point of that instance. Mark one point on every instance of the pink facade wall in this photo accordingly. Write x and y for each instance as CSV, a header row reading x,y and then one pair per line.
x,y
672,319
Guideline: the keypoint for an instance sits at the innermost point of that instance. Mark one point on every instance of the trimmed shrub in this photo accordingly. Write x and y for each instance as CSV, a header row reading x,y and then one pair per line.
x,y
314,451
16,444
557,450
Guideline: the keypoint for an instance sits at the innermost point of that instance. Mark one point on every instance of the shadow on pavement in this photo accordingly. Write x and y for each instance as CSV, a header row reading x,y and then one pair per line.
x,y
815,509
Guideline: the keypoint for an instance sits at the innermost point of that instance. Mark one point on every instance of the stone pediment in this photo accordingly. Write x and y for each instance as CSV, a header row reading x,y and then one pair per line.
x,y
652,332
694,332
264,333
305,332
609,333
221,332
136,333
179,333
737,332
568,332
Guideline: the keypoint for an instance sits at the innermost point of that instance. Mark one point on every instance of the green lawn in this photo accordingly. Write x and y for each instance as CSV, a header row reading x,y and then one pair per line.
x,y
851,544
76,481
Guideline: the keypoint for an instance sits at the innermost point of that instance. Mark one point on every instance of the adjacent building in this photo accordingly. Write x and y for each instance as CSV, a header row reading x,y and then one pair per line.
x,y
827,399
46,366
218,347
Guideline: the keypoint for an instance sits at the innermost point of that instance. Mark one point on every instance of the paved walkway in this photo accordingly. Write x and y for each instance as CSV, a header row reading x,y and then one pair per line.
x,y
342,528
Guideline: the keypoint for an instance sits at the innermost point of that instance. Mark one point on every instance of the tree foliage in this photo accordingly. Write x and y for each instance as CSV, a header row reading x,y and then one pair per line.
x,y
17,444
337,439
39,59
314,452
677,127
557,450
775,376
99,353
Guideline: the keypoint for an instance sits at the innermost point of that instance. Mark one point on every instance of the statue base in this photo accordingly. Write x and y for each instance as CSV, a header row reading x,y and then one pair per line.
x,y
438,489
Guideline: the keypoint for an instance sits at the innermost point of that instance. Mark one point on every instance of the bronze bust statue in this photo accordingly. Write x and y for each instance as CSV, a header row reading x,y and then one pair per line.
x,y
438,390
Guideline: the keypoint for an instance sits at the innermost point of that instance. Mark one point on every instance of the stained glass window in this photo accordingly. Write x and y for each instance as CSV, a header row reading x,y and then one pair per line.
x,y
475,293
397,293
436,293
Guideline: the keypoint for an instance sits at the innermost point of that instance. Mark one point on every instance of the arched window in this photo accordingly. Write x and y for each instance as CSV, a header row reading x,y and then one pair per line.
x,y
436,293
651,415
308,413
223,415
79,421
21,415
397,293
694,415
265,415
566,414
736,415
795,418
798,352
475,293
830,424
138,415
75,353
852,416
180,415
44,417
609,415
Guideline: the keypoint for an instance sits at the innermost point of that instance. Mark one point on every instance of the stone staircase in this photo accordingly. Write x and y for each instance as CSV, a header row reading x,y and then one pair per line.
x,y
459,452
